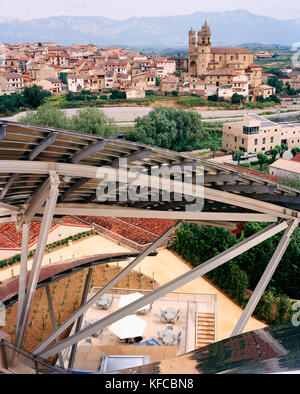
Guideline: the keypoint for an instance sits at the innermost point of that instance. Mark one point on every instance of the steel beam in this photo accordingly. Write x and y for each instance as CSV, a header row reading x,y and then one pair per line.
x,y
257,189
38,200
35,152
80,319
90,150
265,279
220,178
2,131
37,262
53,321
117,211
189,276
82,171
106,288
139,155
8,207
23,272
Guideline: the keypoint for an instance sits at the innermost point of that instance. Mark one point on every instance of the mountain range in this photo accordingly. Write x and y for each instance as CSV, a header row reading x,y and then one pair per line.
x,y
228,28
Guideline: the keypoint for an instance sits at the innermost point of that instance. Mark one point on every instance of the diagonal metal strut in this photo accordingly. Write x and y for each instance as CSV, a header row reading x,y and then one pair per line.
x,y
265,279
106,288
201,270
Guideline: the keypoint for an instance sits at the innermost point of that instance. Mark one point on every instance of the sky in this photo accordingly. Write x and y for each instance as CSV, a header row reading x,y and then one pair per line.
x,y
123,9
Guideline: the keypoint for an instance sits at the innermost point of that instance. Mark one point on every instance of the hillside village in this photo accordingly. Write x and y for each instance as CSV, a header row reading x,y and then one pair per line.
x,y
60,69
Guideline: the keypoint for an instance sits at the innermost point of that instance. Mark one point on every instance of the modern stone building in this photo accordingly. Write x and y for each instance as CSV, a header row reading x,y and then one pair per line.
x,y
256,134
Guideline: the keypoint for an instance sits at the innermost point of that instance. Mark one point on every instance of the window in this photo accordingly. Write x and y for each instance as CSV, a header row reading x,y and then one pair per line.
x,y
250,130
256,143
272,140
235,139
243,141
264,141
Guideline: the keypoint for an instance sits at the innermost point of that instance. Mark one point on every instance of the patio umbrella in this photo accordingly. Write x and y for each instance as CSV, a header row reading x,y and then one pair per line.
x,y
129,327
129,298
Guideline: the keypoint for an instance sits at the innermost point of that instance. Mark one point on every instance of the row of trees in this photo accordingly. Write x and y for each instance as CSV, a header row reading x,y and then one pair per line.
x,y
30,98
281,87
263,158
168,128
87,120
198,244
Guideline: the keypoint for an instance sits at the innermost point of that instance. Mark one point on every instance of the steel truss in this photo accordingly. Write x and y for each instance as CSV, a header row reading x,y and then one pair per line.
x,y
44,202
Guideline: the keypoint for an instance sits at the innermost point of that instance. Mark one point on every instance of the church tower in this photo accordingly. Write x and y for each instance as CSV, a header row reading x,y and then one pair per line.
x,y
204,50
192,53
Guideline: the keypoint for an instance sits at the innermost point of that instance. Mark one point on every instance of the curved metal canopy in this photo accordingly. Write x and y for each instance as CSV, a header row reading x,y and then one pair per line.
x,y
30,155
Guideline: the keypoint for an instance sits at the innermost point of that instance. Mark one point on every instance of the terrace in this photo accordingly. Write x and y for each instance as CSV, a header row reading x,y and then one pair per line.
x,y
90,352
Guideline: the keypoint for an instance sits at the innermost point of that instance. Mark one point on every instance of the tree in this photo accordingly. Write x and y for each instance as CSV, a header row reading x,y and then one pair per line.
x,y
47,115
281,149
237,99
262,159
238,155
93,121
214,98
213,146
274,152
35,96
117,95
63,77
88,120
276,83
295,151
169,128
274,98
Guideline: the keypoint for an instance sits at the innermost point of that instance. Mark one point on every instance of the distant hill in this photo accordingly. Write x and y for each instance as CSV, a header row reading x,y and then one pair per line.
x,y
228,28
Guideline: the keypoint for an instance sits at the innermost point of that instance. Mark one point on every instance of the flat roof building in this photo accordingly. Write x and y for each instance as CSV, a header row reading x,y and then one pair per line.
x,y
256,134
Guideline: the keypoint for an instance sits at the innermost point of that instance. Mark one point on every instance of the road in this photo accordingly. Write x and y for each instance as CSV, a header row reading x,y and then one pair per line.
x,y
125,116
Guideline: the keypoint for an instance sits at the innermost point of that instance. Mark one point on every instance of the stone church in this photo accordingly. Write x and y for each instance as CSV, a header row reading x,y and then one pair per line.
x,y
223,67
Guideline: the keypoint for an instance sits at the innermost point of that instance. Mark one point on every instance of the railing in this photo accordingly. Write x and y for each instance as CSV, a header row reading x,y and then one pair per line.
x,y
196,326
39,365
215,313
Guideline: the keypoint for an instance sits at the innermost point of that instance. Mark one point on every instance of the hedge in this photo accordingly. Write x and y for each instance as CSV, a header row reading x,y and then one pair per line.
x,y
17,258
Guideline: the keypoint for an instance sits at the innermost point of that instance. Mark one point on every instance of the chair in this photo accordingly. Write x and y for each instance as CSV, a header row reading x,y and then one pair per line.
x,y
109,302
163,318
176,319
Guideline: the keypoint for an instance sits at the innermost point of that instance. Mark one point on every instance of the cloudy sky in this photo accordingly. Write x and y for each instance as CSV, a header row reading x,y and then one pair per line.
x,y
122,9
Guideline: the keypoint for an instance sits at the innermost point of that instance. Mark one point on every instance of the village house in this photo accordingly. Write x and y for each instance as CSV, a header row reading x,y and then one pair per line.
x,y
51,85
264,91
75,83
109,79
181,62
169,83
12,82
289,169
135,93
165,67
